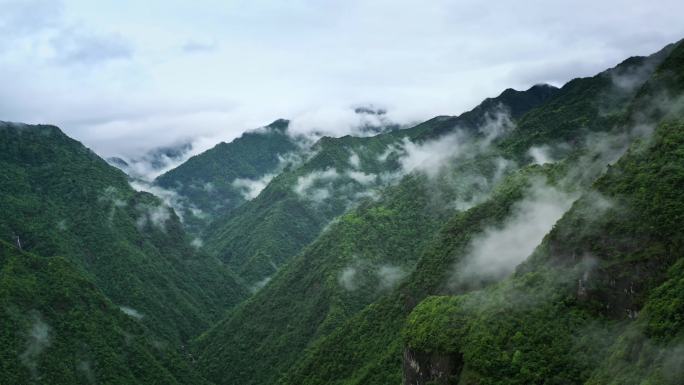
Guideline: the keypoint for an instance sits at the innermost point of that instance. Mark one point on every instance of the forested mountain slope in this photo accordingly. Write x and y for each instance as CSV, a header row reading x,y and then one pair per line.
x,y
58,328
58,198
535,239
218,180
320,293
368,348
295,206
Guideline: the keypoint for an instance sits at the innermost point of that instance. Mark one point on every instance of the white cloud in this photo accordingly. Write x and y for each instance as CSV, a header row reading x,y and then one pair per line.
x,y
430,156
157,216
361,177
389,276
354,160
250,188
197,243
169,197
120,81
129,311
347,278
315,185
540,154
38,340
260,284
498,250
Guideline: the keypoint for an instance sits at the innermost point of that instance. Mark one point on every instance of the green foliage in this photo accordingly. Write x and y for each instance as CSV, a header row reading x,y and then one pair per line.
x,y
205,181
551,338
58,328
59,198
346,281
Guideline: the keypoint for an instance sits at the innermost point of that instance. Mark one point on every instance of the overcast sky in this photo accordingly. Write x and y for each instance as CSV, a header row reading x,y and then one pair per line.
x,y
126,76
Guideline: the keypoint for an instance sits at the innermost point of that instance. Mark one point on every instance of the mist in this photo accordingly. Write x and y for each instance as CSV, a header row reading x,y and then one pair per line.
x,y
496,252
250,188
38,339
192,73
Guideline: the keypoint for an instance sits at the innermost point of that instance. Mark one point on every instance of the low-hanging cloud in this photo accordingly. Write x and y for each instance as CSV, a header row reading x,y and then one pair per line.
x,y
154,215
129,311
316,185
498,250
347,278
197,243
389,276
38,339
112,197
540,154
153,163
360,272
250,188
170,198
431,156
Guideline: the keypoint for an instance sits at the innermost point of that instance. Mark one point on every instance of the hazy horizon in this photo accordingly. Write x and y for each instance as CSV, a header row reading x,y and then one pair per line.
x,y
125,77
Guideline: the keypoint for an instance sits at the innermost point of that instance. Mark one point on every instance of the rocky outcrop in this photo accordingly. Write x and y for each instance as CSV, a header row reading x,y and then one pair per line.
x,y
421,368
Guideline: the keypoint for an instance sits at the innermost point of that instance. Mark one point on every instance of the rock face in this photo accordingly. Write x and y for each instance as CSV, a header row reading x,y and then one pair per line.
x,y
422,368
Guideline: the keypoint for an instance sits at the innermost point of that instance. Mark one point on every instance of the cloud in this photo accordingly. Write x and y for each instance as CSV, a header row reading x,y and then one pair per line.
x,y
250,188
85,367
170,198
354,160
129,311
144,89
362,273
193,46
347,278
153,163
432,155
38,340
389,276
498,250
73,45
197,243
316,185
540,154
26,17
111,196
156,216
259,285
429,157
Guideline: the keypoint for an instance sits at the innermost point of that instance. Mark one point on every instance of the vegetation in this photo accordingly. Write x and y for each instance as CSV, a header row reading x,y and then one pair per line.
x,y
59,328
60,199
206,183
351,267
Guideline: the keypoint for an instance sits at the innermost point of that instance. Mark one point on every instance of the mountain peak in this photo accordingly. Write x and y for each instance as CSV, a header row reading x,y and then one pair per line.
x,y
279,125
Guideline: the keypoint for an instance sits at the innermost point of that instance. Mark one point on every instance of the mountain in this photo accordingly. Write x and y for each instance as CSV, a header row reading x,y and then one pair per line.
x,y
259,236
59,328
328,316
153,162
535,239
340,358
60,199
218,180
